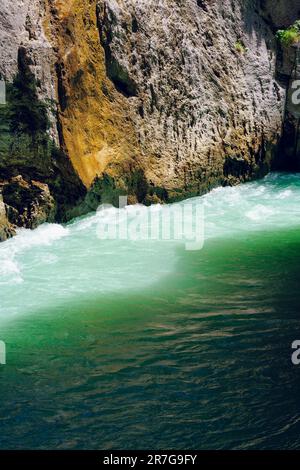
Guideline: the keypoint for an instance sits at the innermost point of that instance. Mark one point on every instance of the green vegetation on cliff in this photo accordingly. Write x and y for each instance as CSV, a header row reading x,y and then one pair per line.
x,y
24,125
289,36
240,47
28,151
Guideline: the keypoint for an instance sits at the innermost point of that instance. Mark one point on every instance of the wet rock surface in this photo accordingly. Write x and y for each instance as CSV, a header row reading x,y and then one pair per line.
x,y
28,203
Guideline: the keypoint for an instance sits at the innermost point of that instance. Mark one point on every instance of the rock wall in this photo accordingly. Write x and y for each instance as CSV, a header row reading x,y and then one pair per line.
x,y
37,180
22,25
288,69
180,94
280,13
94,118
200,77
158,99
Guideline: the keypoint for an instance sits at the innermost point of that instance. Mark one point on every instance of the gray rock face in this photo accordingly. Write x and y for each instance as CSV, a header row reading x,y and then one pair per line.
x,y
47,182
12,33
21,24
200,76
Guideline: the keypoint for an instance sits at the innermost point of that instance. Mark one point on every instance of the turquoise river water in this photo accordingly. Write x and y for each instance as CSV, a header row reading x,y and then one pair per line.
x,y
123,344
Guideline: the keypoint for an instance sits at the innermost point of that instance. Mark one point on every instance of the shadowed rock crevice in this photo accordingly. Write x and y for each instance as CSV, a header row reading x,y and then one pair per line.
x,y
119,75
116,71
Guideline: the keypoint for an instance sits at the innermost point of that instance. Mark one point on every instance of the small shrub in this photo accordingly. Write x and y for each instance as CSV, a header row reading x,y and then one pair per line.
x,y
290,36
240,47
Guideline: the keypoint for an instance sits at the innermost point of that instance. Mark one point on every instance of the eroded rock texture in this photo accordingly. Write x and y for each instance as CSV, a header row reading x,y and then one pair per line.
x,y
31,148
200,76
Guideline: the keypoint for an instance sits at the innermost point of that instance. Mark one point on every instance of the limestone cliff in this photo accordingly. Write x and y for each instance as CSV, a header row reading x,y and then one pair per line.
x,y
158,99
37,179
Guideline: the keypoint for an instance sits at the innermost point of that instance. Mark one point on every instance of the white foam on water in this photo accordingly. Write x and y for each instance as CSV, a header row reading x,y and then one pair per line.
x,y
11,250
259,213
46,234
55,263
10,271
284,194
